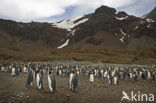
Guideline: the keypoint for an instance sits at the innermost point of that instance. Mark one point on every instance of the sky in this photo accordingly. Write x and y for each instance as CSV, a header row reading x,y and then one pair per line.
x,y
56,10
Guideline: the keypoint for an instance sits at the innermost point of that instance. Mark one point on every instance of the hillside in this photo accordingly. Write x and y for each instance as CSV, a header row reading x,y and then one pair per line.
x,y
103,36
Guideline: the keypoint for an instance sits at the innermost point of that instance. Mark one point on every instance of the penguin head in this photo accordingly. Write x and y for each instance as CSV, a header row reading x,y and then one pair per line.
x,y
33,69
50,72
37,71
72,72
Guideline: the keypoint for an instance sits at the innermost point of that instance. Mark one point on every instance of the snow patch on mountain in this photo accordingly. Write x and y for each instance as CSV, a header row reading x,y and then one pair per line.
x,y
69,24
136,27
68,34
148,26
122,40
63,45
116,12
73,31
122,32
150,20
122,18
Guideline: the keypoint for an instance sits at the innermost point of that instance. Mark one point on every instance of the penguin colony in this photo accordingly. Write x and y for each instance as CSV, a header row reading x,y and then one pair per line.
x,y
113,74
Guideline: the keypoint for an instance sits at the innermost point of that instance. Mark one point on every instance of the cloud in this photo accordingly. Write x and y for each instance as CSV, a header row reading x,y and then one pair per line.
x,y
33,9
140,7
27,10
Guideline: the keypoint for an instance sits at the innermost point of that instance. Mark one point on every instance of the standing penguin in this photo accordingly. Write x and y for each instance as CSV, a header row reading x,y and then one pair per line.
x,y
109,77
39,80
115,80
25,69
70,80
78,73
149,74
143,76
105,74
13,71
154,76
131,75
73,81
51,82
30,78
17,72
91,78
60,72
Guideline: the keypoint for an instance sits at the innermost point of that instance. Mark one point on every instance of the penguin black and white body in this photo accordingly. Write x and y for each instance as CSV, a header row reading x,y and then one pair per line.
x,y
73,81
30,78
60,72
78,73
105,74
91,78
143,76
17,71
131,75
109,77
149,74
122,75
135,76
25,69
70,80
51,82
39,80
115,80
154,76
13,71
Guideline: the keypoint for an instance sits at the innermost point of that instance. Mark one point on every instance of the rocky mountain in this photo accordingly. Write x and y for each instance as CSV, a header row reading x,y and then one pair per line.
x,y
152,14
105,35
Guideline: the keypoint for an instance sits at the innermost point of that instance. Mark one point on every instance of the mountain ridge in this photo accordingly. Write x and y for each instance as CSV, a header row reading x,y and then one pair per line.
x,y
105,35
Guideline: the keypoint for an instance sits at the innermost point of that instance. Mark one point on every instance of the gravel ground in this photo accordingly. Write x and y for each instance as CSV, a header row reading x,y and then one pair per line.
x,y
13,90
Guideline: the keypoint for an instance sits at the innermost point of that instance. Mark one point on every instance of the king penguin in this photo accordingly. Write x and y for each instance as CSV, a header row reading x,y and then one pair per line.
x,y
13,71
51,82
154,76
73,81
115,80
109,77
91,78
30,78
39,80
